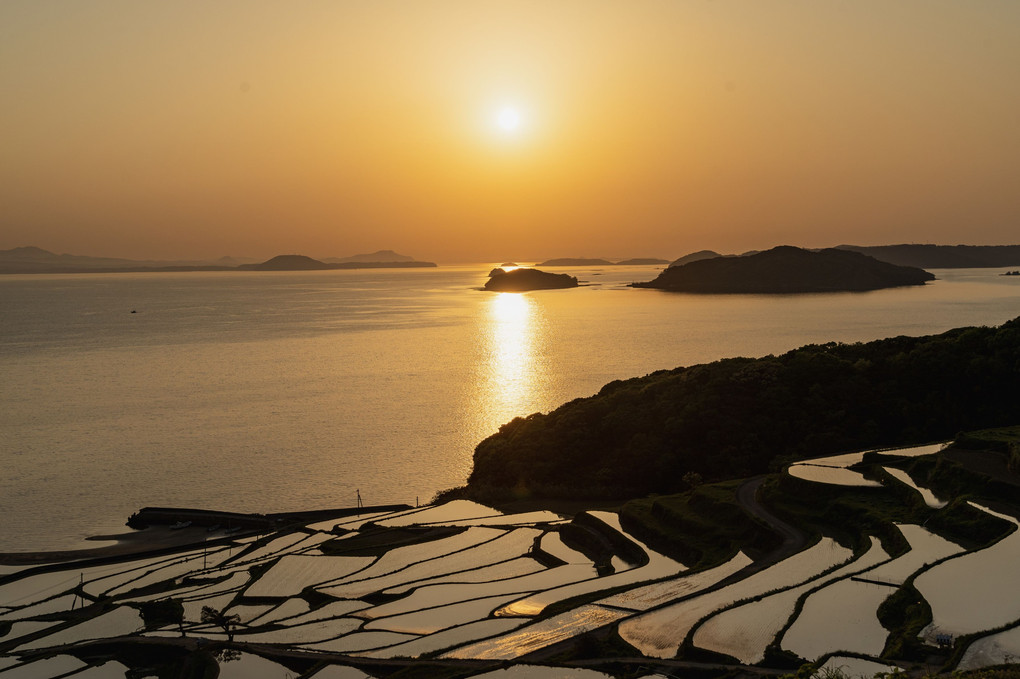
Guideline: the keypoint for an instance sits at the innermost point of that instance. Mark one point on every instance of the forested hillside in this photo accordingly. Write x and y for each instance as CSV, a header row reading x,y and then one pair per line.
x,y
736,417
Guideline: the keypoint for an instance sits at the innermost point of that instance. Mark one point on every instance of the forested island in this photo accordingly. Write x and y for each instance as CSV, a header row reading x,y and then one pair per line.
x,y
522,280
924,256
742,416
787,269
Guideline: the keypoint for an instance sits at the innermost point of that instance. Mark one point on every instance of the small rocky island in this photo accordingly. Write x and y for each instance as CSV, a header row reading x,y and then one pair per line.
x,y
788,269
522,280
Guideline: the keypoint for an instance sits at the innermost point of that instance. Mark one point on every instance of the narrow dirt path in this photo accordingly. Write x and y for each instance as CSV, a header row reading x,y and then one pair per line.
x,y
794,539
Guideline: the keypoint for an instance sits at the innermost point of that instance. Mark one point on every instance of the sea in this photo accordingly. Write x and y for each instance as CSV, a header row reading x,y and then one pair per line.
x,y
284,391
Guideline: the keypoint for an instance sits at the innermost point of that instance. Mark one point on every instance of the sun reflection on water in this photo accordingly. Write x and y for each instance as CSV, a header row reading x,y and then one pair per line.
x,y
512,333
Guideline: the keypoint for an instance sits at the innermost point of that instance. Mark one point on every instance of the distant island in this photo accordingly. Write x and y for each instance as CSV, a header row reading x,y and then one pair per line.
x,y
695,257
522,280
581,261
36,260
379,256
787,269
303,263
575,261
742,416
921,256
642,261
942,256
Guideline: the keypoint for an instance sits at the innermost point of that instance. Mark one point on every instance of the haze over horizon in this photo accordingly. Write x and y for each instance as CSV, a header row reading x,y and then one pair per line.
x,y
459,132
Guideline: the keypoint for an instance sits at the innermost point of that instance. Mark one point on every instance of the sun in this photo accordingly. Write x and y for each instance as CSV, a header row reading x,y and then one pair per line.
x,y
508,119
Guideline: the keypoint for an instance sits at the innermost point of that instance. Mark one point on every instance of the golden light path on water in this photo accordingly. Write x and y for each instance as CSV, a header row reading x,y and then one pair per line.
x,y
511,363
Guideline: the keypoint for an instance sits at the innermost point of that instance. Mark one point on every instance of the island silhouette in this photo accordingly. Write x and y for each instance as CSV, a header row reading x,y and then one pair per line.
x,y
303,263
522,280
787,269
588,261
30,259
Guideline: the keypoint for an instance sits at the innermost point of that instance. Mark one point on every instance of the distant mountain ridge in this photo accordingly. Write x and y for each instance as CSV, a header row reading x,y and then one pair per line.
x,y
942,256
787,269
696,256
287,263
379,256
303,263
587,261
924,256
31,259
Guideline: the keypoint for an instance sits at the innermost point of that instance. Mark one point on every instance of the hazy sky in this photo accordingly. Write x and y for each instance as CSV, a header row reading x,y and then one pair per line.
x,y
194,129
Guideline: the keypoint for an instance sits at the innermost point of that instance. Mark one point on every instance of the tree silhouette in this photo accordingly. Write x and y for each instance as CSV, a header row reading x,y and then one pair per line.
x,y
163,612
220,619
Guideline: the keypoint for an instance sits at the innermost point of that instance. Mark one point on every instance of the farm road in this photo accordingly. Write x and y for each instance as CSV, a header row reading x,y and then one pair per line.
x,y
794,539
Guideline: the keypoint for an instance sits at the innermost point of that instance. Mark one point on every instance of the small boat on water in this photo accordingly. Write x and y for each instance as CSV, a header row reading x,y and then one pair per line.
x,y
179,525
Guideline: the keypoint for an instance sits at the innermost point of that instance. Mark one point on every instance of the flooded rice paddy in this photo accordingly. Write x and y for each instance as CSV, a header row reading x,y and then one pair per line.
x,y
474,592
855,629
926,494
834,469
659,633
925,548
655,594
994,649
836,476
658,566
746,630
967,593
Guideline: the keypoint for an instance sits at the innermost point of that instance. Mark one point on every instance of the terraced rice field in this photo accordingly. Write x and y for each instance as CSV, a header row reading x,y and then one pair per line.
x,y
659,633
834,469
475,593
746,630
970,593
926,494
994,649
817,632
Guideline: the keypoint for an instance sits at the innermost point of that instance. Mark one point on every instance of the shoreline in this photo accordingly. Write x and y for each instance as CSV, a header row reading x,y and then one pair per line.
x,y
124,544
159,536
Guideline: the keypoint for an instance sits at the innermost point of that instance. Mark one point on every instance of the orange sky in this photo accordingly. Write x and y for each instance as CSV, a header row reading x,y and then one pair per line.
x,y
195,129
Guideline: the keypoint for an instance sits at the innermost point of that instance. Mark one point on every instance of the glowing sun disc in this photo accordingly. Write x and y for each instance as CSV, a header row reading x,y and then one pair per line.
x,y
508,119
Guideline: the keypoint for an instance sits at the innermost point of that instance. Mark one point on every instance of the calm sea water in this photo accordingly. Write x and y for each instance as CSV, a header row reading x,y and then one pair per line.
x,y
284,391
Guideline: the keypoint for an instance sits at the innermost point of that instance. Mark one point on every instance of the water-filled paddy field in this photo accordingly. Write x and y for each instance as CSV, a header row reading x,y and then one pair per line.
x,y
473,583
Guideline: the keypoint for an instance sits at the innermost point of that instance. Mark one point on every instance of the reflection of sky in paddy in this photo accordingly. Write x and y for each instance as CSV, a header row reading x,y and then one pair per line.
x,y
966,594
449,590
746,630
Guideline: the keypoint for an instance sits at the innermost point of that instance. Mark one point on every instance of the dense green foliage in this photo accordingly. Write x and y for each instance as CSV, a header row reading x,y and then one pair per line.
x,y
738,417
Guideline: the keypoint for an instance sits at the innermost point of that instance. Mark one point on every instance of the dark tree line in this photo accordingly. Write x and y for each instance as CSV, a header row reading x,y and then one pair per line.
x,y
741,416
